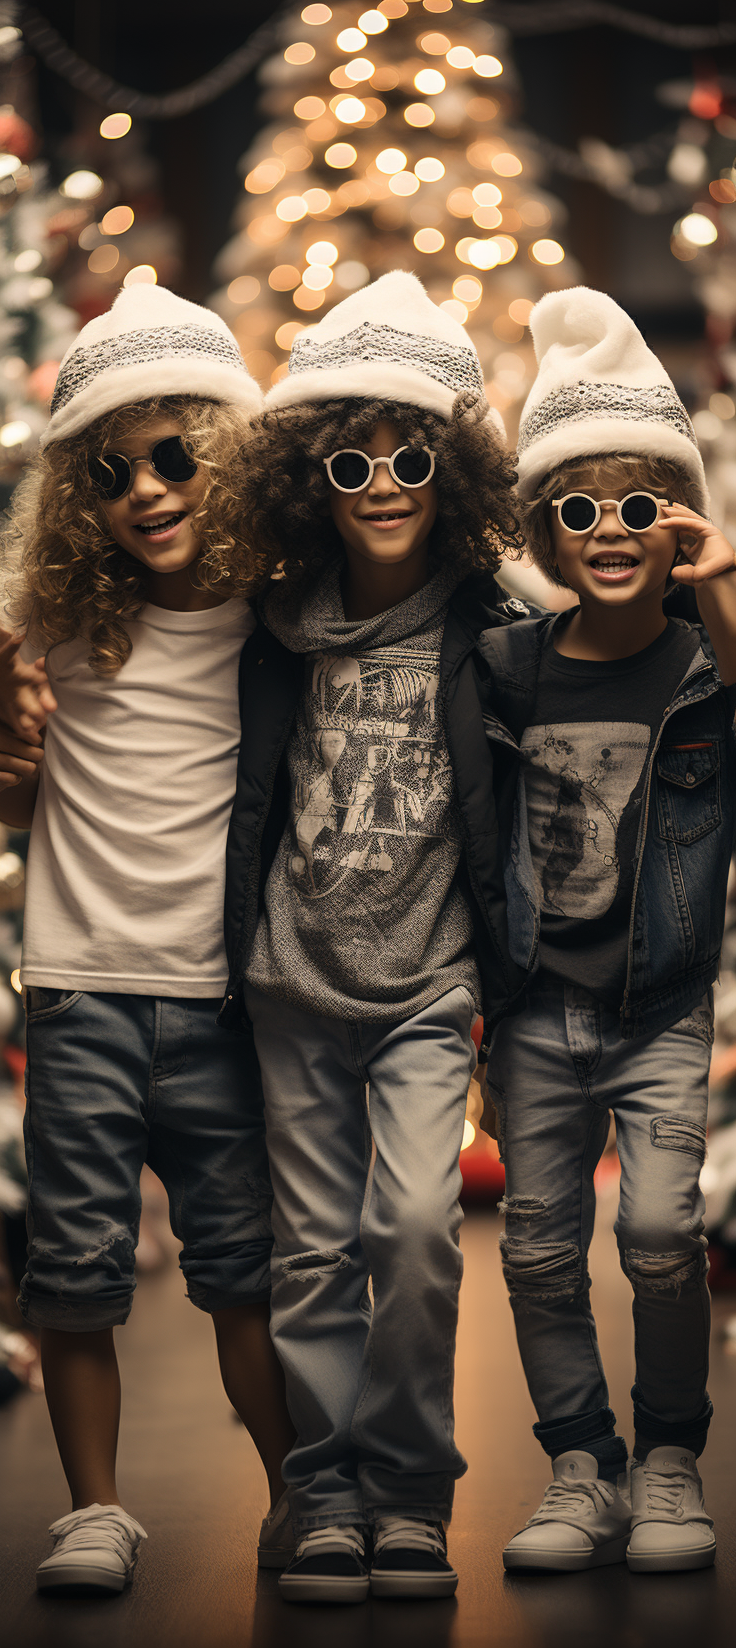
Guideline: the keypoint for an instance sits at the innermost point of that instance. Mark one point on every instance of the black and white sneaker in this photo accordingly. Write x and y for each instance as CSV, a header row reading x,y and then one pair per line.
x,y
328,1565
410,1559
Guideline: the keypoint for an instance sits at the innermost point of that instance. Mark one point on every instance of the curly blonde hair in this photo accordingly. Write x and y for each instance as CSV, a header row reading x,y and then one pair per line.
x,y
287,491
609,470
64,574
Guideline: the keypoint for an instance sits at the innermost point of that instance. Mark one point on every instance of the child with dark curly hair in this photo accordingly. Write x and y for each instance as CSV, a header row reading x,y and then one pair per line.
x,y
366,915
126,565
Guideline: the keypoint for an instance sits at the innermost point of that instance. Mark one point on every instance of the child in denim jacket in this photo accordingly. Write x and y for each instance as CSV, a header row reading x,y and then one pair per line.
x,y
619,719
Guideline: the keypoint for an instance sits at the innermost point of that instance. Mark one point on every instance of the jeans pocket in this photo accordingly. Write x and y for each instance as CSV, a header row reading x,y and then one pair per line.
x,y
43,1003
699,1022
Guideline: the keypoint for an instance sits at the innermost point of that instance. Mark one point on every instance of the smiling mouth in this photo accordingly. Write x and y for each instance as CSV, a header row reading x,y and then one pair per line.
x,y
164,523
613,563
388,515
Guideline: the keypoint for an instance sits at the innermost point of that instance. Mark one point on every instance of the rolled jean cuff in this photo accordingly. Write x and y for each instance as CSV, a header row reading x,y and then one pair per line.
x,y
651,1432
209,1299
92,1316
421,1511
593,1433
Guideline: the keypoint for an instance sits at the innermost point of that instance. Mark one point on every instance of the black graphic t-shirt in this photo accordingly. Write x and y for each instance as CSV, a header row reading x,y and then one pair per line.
x,y
586,755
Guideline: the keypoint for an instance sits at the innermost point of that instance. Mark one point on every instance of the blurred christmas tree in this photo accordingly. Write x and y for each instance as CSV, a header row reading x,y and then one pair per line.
x,y
387,145
35,328
705,238
62,252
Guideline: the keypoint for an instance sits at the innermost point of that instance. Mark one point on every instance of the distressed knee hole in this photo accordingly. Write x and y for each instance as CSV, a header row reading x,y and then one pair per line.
x,y
115,1249
662,1272
674,1133
523,1208
542,1272
302,1266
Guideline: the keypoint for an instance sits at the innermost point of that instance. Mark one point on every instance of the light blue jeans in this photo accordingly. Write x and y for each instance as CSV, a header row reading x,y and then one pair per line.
x,y
555,1071
370,1388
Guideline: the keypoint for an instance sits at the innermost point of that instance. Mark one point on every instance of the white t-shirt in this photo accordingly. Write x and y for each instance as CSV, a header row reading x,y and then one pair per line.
x,y
126,865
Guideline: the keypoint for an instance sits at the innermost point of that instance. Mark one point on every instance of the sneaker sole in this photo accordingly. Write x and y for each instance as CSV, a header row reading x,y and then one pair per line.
x,y
571,1562
80,1578
670,1562
323,1588
412,1584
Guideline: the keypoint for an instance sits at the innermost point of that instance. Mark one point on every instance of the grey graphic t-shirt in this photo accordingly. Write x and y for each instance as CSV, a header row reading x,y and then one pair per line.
x,y
586,757
364,917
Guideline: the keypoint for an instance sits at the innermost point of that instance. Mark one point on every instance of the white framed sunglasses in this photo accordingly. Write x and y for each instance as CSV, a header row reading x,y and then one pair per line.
x,y
637,512
351,470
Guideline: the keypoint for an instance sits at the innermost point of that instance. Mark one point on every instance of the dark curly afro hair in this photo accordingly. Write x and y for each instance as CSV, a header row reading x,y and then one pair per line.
x,y
287,491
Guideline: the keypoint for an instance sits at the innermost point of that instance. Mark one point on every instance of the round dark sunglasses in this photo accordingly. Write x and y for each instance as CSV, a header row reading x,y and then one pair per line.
x,y
112,474
636,512
350,470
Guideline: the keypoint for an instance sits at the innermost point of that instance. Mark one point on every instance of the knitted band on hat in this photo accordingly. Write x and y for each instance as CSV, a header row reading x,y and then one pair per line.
x,y
599,391
151,343
419,356
577,401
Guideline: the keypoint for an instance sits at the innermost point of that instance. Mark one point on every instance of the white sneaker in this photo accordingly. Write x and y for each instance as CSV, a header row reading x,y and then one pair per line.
x,y
581,1522
328,1565
670,1527
277,1540
410,1559
95,1548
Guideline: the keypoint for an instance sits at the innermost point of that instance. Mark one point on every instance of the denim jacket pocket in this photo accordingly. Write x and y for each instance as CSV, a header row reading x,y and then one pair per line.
x,y
688,790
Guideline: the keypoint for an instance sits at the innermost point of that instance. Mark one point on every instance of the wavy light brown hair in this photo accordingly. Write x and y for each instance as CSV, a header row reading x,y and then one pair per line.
x,y
610,470
287,491
66,577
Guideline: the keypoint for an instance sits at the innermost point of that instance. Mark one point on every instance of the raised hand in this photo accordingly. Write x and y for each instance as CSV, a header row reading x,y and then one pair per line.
x,y
708,552
26,699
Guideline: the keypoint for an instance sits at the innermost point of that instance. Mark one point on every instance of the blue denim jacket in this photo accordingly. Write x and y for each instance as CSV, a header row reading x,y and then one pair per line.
x,y
686,832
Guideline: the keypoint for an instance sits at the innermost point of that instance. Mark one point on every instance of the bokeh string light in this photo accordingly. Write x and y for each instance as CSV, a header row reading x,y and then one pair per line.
x,y
380,129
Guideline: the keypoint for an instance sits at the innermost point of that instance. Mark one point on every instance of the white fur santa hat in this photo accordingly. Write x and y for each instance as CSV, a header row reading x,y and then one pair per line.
x,y
149,343
388,341
599,390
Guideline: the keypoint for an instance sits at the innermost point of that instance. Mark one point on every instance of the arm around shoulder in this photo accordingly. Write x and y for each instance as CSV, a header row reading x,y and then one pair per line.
x,y
20,771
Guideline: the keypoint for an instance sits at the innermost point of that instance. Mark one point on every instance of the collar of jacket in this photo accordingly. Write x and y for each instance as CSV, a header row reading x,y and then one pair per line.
x,y
479,605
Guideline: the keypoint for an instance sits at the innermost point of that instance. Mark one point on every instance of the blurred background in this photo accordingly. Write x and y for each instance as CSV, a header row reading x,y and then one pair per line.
x,y
267,161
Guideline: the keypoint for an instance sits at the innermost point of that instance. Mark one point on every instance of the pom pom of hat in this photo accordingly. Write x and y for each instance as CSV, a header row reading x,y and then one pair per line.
x,y
388,341
599,389
150,343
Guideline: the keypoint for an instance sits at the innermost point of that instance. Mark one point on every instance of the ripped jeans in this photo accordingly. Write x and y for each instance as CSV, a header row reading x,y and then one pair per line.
x,y
370,1388
555,1072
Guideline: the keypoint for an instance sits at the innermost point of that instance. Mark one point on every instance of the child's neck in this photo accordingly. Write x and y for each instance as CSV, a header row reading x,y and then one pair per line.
x,y
179,591
369,588
603,633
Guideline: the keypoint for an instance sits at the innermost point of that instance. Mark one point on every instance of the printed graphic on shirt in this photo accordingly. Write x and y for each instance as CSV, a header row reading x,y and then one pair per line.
x,y
579,778
371,774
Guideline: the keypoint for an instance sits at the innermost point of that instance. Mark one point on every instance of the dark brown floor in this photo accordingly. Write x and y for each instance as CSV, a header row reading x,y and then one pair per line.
x,y
191,1476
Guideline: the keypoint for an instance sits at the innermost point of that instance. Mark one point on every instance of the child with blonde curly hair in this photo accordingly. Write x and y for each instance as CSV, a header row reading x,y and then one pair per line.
x,y
126,565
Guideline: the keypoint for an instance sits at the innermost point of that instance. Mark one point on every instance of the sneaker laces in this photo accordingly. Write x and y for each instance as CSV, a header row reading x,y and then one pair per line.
x,y
409,1534
664,1491
81,1530
347,1538
561,1499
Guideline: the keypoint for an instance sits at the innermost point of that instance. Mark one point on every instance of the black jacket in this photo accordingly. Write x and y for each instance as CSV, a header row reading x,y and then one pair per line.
x,y
271,683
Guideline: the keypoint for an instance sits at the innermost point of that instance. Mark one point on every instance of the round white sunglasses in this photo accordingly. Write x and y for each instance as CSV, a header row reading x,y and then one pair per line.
x,y
350,470
637,512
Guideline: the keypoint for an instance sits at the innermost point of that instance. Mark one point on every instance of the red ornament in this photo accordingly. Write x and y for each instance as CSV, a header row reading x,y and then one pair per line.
x,y
16,136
